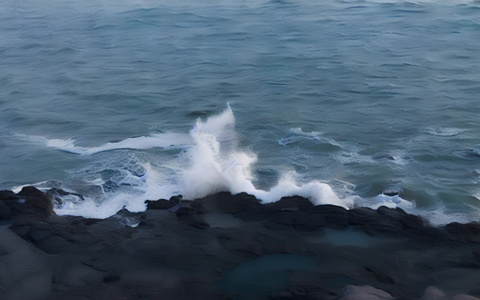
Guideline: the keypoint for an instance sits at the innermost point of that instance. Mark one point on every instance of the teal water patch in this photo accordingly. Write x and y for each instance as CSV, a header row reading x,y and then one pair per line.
x,y
258,278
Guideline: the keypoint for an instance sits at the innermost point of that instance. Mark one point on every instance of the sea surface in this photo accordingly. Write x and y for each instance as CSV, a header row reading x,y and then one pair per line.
x,y
353,103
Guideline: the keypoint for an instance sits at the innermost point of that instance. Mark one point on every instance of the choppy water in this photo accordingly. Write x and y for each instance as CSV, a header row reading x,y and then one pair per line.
x,y
335,100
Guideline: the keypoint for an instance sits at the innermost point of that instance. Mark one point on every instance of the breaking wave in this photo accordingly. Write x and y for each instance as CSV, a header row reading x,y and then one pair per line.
x,y
209,160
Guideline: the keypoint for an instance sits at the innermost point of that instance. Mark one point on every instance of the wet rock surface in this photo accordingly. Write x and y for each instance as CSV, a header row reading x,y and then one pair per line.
x,y
232,247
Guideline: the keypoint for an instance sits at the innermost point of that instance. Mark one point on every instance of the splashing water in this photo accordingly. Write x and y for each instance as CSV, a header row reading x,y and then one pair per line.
x,y
211,162
214,169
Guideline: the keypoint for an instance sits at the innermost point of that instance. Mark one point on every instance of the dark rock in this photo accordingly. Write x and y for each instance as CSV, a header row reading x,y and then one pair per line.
x,y
469,232
167,256
412,221
228,203
192,217
21,230
335,217
381,275
432,235
476,255
361,216
163,203
198,223
7,195
297,220
111,278
24,271
176,198
29,202
281,295
290,204
186,211
54,244
160,204
5,211
393,213
388,220
384,226
38,234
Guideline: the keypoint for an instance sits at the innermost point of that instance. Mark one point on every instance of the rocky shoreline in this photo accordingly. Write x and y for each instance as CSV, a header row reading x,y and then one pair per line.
x,y
232,247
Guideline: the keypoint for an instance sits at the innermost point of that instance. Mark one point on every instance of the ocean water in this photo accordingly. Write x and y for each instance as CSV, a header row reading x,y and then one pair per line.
x,y
344,102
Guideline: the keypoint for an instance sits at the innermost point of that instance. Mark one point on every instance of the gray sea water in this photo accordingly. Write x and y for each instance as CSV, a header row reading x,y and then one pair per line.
x,y
339,101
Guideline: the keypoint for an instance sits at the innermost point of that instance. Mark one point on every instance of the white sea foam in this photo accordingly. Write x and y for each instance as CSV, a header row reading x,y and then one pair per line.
x,y
318,192
353,157
297,134
39,185
440,216
437,215
444,131
399,157
390,202
211,162
159,140
150,186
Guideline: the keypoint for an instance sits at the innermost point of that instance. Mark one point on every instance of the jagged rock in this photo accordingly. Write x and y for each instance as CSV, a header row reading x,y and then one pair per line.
x,y
227,203
163,203
361,216
7,195
465,232
334,216
5,211
191,216
186,211
29,202
167,256
412,222
290,204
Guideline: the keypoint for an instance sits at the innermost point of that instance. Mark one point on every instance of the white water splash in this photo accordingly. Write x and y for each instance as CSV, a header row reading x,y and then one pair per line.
x,y
210,162
215,169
